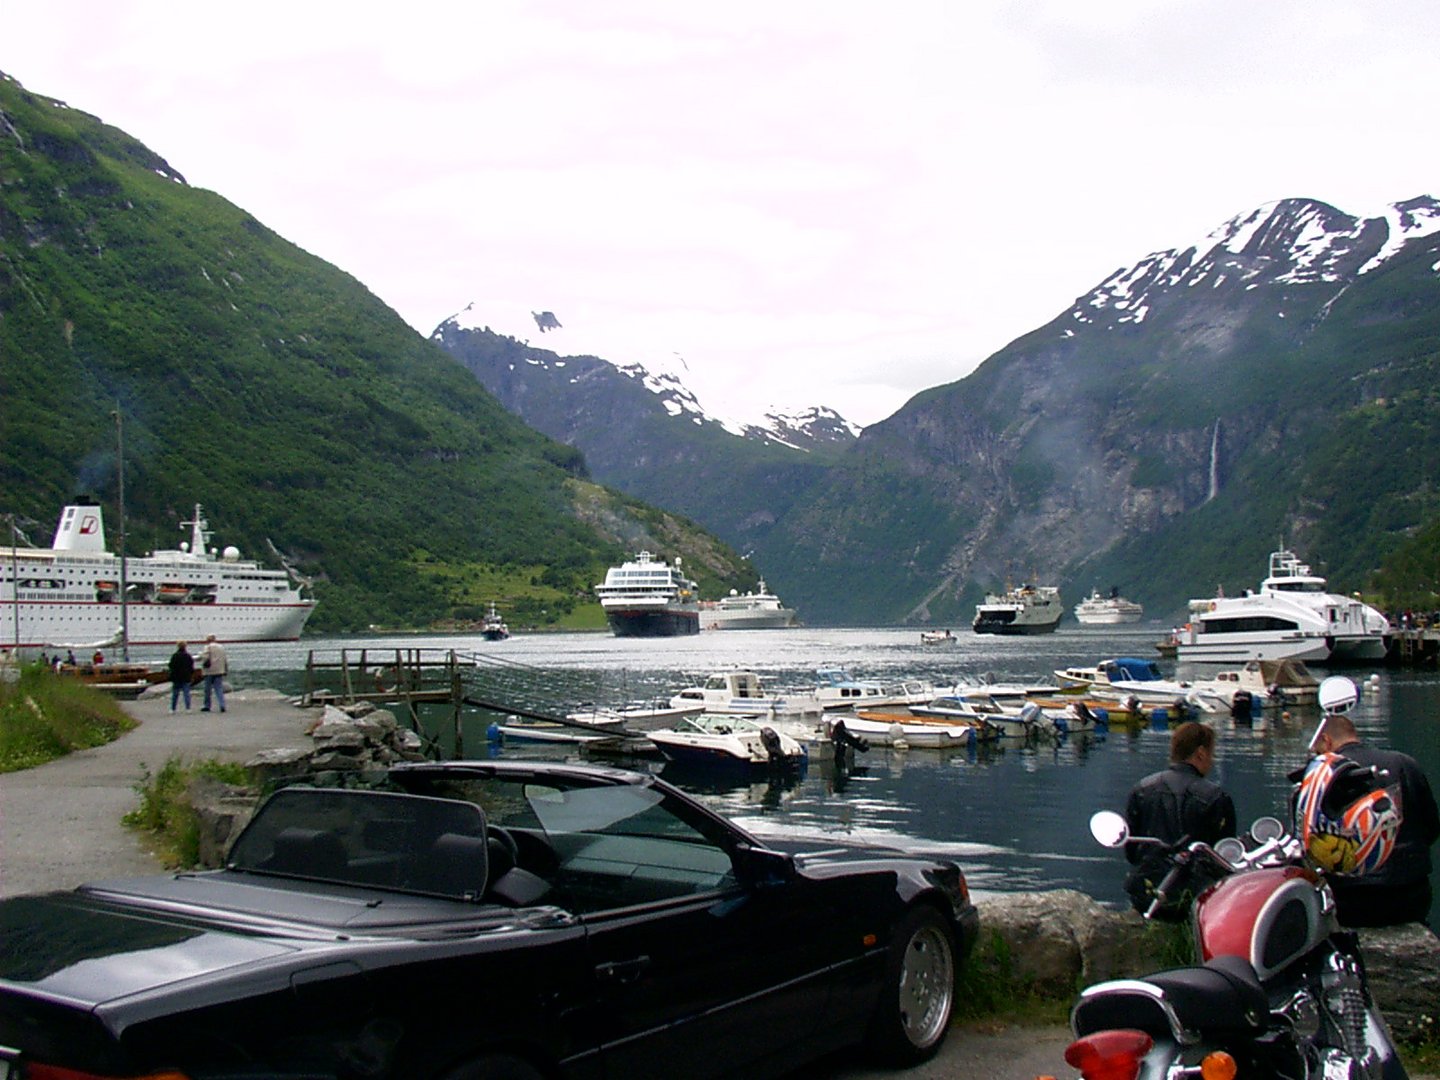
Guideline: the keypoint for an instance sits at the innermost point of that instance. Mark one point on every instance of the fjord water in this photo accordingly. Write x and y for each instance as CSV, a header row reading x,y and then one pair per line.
x,y
1015,816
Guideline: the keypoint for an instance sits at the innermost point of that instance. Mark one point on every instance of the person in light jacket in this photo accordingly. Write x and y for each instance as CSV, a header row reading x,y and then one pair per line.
x,y
212,663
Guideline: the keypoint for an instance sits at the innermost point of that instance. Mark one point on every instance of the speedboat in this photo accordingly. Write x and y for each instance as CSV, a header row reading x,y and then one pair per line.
x,y
927,732
1291,617
1270,684
728,742
938,637
1134,681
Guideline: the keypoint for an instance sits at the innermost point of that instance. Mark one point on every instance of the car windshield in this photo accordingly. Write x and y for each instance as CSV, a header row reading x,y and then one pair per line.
x,y
368,838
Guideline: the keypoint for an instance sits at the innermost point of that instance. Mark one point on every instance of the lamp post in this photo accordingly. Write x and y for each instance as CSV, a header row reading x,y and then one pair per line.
x,y
124,591
15,586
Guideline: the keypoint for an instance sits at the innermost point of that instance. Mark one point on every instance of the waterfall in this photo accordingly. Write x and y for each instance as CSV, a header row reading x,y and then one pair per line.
x,y
1214,463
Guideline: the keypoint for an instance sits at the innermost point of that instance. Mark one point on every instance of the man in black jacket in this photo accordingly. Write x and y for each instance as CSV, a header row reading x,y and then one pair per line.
x,y
1399,891
1173,804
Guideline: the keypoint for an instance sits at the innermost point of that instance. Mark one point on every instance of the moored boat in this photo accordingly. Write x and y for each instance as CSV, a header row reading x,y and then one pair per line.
x,y
729,743
1291,617
72,590
740,693
647,597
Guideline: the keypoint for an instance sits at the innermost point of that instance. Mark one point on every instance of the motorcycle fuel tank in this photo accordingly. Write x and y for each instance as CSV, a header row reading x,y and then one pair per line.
x,y
1270,917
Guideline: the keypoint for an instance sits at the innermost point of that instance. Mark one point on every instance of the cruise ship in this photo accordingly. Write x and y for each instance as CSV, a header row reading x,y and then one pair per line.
x,y
71,593
647,597
1292,617
1112,610
760,610
1029,609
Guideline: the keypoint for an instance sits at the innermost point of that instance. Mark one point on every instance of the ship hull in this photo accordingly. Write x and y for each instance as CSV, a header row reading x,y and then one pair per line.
x,y
747,620
984,625
44,625
653,623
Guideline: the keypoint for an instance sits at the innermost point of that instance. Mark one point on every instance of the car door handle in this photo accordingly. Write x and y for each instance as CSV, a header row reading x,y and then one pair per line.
x,y
622,971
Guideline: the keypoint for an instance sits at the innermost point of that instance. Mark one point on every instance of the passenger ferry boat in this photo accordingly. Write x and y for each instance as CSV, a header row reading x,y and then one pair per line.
x,y
1030,609
1292,617
761,610
647,597
71,591
1112,610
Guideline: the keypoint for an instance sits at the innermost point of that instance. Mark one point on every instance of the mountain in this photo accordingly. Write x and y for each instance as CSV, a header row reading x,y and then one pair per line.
x,y
268,385
1272,382
1277,381
645,433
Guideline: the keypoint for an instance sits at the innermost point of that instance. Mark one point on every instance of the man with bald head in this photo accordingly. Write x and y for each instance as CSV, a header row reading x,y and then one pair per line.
x,y
1399,891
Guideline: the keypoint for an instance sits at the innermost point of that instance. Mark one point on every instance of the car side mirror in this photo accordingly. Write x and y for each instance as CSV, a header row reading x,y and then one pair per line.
x,y
1109,828
762,867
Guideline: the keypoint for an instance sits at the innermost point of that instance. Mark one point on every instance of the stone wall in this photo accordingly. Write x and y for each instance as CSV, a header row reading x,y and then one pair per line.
x,y
1054,944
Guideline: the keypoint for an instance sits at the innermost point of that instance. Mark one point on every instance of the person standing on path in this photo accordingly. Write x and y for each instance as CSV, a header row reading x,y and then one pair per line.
x,y
212,663
182,673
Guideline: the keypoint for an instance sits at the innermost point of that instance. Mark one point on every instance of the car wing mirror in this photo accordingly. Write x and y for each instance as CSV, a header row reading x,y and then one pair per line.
x,y
762,867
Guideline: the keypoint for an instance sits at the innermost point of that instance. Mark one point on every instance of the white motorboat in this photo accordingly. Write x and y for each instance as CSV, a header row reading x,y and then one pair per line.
x,y
1291,617
838,689
739,693
1112,610
647,597
72,590
938,637
760,610
928,732
1009,719
1029,609
1271,684
493,628
1134,681
728,742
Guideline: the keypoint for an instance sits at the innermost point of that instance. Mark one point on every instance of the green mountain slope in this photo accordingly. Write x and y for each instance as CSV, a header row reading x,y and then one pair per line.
x,y
276,390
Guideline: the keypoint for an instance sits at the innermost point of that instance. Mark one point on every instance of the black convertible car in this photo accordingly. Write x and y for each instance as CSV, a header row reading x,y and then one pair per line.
x,y
485,920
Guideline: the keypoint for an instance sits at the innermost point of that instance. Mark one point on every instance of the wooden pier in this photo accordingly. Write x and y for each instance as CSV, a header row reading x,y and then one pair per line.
x,y
1415,647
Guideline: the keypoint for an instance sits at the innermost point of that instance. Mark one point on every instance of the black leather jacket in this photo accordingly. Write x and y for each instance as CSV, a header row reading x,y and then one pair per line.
x,y
1177,802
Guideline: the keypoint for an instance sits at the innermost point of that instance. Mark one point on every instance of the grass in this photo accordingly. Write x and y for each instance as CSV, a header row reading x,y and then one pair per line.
x,y
166,812
44,716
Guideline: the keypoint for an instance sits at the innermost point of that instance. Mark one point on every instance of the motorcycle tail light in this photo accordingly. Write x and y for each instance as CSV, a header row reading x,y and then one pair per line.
x,y
1110,1055
1218,1065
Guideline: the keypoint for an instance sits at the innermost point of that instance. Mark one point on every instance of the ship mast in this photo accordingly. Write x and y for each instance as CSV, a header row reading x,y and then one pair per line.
x,y
124,592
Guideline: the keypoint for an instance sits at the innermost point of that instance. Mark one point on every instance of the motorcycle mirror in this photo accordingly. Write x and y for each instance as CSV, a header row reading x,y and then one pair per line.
x,y
1338,694
1267,828
1109,828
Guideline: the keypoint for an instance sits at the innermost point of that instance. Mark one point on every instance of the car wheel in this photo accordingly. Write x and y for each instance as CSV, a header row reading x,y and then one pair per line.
x,y
918,994
496,1067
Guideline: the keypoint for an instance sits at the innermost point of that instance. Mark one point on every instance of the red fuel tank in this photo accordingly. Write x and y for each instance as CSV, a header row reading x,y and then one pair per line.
x,y
1270,917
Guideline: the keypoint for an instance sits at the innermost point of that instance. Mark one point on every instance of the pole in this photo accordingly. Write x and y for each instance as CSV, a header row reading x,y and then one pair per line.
x,y
15,587
124,591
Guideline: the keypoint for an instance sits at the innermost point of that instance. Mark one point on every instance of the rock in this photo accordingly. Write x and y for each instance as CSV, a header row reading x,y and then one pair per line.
x,y
222,810
270,765
1402,966
336,762
345,738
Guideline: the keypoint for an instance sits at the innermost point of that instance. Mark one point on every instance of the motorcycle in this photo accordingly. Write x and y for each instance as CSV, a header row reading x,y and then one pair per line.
x,y
1280,990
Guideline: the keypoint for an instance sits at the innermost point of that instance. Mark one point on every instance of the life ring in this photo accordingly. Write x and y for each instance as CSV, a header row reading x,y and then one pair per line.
x,y
380,686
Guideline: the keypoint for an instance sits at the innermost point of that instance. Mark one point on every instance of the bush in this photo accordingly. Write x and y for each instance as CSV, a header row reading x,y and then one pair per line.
x,y
44,716
165,810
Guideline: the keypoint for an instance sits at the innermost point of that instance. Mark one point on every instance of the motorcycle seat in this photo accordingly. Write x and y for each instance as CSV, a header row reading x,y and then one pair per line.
x,y
1222,997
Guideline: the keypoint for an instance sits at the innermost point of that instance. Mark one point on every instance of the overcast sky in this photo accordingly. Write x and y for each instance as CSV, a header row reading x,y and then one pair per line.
x,y
836,203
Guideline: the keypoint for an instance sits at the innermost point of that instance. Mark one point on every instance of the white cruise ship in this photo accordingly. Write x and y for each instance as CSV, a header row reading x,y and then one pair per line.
x,y
1112,610
1292,617
647,597
1029,609
71,591
761,610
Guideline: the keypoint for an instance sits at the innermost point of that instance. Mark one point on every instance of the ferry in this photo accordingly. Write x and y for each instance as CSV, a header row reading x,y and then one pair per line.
x,y
647,597
760,610
72,590
1030,609
1291,617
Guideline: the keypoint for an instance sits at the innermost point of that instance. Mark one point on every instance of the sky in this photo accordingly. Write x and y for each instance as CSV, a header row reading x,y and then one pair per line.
x,y
791,203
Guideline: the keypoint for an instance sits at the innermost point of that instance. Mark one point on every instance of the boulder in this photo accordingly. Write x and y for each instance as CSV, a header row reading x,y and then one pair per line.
x,y
221,811
270,765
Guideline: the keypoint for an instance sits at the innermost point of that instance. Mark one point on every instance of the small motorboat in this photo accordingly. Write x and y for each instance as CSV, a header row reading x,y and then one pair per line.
x,y
739,693
926,732
729,742
937,637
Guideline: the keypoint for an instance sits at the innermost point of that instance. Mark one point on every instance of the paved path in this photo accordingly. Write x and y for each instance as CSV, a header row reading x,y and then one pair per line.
x,y
60,822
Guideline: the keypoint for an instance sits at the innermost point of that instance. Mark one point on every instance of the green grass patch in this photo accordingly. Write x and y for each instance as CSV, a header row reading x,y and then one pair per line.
x,y
165,811
44,716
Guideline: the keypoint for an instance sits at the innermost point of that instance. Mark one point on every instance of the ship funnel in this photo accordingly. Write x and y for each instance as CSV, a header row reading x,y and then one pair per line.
x,y
81,528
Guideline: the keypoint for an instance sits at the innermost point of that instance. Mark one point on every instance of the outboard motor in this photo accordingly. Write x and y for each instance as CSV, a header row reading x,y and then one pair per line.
x,y
770,739
843,738
1242,707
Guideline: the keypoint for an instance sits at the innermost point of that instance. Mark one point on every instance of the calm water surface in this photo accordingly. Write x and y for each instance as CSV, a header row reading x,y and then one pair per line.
x,y
1016,817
